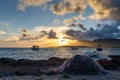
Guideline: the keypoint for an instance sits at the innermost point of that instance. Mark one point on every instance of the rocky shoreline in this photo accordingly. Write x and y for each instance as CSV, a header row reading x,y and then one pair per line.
x,y
10,66
21,67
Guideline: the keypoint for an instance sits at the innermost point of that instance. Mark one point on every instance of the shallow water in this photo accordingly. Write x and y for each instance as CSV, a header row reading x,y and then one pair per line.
x,y
45,53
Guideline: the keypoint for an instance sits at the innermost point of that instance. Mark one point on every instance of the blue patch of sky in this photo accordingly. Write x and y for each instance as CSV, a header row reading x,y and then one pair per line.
x,y
33,16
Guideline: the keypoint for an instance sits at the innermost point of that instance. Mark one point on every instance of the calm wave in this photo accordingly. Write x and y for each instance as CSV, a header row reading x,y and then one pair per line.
x,y
45,53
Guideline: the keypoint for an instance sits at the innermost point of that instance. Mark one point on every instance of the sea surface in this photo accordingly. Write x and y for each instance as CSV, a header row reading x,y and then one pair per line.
x,y
46,53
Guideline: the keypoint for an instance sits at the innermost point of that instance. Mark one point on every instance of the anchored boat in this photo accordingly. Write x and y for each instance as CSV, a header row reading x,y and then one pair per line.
x,y
74,48
35,48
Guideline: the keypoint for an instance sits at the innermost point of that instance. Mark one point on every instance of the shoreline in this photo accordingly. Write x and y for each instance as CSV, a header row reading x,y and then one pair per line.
x,y
10,66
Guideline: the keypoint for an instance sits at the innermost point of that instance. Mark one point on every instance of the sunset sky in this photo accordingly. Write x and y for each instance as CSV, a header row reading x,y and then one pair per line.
x,y
52,23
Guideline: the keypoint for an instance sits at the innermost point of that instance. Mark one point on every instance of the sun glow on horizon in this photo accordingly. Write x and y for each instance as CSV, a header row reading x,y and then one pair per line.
x,y
62,41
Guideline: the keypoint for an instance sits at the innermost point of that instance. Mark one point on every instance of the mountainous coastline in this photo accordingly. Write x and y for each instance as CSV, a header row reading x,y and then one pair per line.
x,y
108,42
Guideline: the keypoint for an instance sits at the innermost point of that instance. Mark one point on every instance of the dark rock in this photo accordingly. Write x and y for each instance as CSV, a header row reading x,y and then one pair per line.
x,y
107,64
56,59
115,59
10,66
6,60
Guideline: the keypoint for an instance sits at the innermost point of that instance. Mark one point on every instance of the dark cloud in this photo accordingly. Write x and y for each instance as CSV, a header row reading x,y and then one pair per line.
x,y
27,35
72,22
52,34
82,26
28,38
108,14
24,35
78,35
105,31
68,6
44,32
72,25
24,30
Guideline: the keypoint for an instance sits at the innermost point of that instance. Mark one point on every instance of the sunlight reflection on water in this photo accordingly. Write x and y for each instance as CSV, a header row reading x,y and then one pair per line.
x,y
25,53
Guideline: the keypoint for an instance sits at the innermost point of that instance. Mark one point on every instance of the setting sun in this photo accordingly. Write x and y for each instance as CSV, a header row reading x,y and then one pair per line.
x,y
62,40
47,39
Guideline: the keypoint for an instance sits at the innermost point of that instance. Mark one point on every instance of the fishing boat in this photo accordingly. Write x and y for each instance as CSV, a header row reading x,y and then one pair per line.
x,y
74,48
35,48
99,49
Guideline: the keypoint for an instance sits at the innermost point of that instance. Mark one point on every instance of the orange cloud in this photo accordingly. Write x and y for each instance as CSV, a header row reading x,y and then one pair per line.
x,y
23,4
105,9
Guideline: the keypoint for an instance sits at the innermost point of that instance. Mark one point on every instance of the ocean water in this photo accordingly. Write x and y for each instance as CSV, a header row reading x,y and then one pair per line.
x,y
46,53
